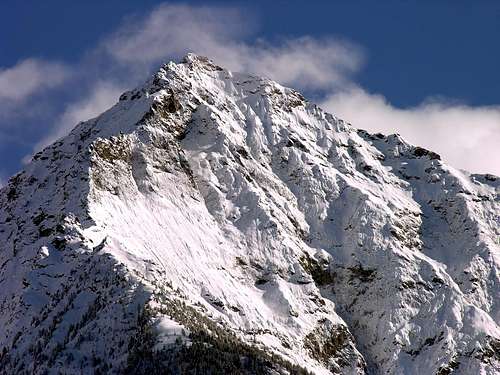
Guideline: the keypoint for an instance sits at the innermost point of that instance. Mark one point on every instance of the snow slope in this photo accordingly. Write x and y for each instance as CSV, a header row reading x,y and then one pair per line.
x,y
212,214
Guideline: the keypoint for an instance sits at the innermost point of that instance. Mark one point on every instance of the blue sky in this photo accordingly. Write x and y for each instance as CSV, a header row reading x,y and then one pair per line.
x,y
428,70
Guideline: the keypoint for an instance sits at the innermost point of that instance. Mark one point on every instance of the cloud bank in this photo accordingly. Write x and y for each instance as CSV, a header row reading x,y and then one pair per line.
x,y
29,77
173,31
467,137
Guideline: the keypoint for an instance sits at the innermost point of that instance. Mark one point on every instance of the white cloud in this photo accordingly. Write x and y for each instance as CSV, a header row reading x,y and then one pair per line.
x,y
467,137
172,31
100,98
304,62
30,76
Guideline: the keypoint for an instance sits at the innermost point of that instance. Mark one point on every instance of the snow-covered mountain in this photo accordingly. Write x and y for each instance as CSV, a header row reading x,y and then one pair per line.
x,y
217,222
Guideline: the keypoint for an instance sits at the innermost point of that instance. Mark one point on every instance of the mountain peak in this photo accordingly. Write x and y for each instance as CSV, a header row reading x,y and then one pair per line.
x,y
218,219
192,58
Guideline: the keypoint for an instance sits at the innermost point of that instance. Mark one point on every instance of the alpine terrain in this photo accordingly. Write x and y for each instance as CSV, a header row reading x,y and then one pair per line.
x,y
214,222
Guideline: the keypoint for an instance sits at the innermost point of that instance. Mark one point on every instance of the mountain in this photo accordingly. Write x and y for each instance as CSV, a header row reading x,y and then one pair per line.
x,y
216,222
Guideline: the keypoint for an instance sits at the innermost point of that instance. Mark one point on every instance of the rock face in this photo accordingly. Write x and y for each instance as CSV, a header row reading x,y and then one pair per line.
x,y
217,222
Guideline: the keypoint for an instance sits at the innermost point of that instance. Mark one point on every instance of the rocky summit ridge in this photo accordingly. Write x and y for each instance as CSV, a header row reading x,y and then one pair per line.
x,y
218,222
